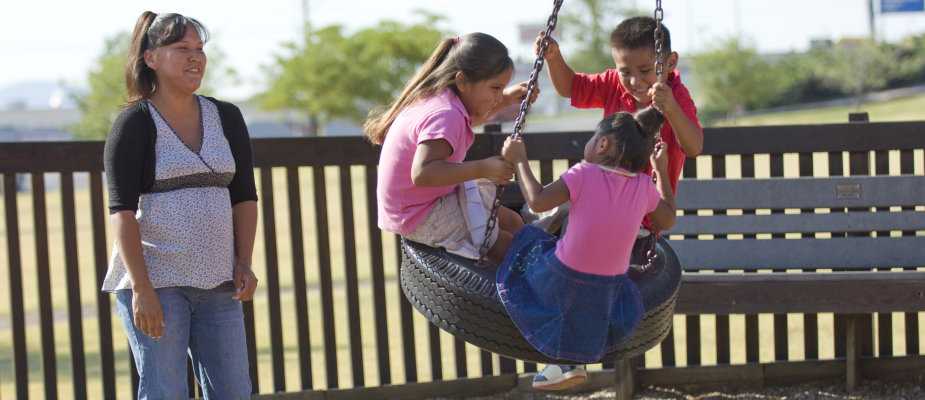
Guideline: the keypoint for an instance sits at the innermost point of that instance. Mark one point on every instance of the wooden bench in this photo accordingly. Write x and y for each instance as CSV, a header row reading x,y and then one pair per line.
x,y
842,240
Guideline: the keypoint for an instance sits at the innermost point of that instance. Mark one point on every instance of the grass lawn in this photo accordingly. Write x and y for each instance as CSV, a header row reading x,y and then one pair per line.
x,y
902,109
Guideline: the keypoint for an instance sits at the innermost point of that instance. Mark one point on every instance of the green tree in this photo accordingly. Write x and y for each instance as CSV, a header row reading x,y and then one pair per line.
x,y
733,77
858,67
106,93
333,74
586,25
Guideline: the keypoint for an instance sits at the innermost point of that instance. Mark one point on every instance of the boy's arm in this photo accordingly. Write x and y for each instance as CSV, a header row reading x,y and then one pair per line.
x,y
681,115
559,71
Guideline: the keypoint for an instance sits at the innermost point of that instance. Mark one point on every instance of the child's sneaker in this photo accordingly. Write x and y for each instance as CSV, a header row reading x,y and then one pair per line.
x,y
560,377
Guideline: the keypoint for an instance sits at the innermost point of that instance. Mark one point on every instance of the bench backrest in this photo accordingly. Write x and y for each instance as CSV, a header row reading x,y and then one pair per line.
x,y
792,205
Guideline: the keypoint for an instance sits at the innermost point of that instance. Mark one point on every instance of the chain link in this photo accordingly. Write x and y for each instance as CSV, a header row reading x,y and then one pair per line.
x,y
519,121
659,39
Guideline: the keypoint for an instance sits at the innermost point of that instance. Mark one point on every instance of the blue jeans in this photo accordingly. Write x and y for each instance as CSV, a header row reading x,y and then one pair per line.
x,y
206,324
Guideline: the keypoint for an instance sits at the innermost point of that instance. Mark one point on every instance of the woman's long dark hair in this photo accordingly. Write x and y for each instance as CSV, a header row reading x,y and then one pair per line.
x,y
153,31
634,137
477,55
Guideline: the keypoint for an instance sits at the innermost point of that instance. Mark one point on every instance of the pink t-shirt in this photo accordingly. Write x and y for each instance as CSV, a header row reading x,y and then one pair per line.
x,y
607,209
402,205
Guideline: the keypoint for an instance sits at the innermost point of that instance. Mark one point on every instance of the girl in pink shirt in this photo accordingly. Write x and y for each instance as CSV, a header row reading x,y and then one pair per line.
x,y
425,134
571,297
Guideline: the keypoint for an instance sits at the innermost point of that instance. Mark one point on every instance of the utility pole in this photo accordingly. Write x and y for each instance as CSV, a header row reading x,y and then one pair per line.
x,y
306,19
871,20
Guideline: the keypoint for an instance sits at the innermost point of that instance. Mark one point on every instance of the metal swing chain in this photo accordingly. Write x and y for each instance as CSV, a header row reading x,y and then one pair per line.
x,y
520,120
652,241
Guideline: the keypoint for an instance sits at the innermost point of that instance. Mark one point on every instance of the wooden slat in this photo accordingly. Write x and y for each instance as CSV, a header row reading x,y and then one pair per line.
x,y
436,359
488,368
103,307
861,221
722,340
14,257
324,276
721,333
298,277
459,349
408,342
350,263
667,347
692,322
781,342
907,166
825,137
751,321
810,321
272,271
250,331
546,172
844,292
314,151
694,350
848,253
74,305
859,165
378,276
507,365
884,320
774,193
43,275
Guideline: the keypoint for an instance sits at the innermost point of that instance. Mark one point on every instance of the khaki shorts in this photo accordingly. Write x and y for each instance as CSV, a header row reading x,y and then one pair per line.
x,y
457,222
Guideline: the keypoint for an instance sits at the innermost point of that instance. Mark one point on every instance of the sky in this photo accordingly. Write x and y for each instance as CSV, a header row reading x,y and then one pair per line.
x,y
45,40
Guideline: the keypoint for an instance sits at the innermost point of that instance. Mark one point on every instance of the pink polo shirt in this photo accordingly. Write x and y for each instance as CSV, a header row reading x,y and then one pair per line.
x,y
402,205
607,208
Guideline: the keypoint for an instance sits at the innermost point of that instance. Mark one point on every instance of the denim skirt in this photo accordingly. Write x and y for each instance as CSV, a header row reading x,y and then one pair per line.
x,y
565,314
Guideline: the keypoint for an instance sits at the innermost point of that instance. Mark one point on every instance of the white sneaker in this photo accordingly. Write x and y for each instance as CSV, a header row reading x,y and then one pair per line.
x,y
560,377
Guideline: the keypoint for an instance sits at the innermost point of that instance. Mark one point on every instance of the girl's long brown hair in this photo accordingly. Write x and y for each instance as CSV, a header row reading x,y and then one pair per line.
x,y
477,55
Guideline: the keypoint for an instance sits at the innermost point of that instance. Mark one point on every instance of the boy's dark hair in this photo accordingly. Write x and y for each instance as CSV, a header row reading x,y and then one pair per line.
x,y
636,33
634,137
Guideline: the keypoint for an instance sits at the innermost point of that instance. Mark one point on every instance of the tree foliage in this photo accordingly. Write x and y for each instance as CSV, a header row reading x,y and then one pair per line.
x,y
587,25
334,74
733,77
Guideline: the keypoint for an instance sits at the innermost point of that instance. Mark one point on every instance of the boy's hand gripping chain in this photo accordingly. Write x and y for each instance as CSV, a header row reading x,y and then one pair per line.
x,y
520,119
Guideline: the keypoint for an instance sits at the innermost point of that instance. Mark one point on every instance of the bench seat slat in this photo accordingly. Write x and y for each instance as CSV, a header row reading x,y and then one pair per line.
x,y
779,193
841,292
799,223
850,253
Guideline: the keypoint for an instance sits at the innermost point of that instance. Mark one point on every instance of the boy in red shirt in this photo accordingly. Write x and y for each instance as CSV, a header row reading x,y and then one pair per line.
x,y
631,85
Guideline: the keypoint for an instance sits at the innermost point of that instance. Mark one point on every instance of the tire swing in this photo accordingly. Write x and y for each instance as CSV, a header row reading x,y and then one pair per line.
x,y
459,296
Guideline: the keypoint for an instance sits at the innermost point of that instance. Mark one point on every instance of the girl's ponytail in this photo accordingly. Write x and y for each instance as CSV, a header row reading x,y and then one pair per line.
x,y
477,56
380,120
650,121
139,79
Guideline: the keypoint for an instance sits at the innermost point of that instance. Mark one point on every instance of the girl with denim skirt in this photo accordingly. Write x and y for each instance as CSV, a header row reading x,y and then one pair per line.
x,y
571,297
427,192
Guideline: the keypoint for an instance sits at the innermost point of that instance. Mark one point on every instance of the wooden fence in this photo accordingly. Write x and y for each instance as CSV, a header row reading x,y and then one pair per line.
x,y
330,314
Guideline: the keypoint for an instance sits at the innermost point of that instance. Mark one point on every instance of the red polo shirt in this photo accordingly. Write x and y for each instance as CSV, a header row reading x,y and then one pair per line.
x,y
604,90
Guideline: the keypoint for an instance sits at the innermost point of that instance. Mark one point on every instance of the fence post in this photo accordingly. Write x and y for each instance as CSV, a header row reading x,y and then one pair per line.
x,y
625,379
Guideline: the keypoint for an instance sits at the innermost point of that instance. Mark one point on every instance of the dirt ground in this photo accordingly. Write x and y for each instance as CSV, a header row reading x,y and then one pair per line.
x,y
833,390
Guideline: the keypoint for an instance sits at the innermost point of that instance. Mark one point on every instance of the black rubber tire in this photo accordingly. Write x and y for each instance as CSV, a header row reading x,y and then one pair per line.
x,y
460,298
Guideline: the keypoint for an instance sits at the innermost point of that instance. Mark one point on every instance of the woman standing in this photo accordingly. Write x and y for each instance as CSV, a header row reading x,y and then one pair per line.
x,y
183,208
